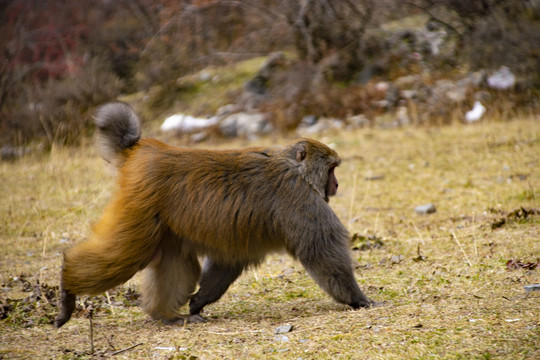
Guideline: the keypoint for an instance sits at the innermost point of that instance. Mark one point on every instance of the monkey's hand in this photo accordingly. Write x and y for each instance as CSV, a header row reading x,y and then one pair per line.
x,y
185,319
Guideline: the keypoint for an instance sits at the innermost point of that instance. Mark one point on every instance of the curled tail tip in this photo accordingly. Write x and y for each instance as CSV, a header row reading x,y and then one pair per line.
x,y
119,128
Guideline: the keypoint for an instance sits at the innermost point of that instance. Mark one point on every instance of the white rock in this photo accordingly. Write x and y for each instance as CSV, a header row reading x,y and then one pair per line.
x,y
186,123
476,113
502,79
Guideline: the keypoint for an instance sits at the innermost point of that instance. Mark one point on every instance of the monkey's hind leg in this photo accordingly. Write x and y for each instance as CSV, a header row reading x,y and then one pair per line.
x,y
66,304
170,280
215,280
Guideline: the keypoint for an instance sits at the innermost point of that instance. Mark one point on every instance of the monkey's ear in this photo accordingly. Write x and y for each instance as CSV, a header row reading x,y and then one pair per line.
x,y
300,152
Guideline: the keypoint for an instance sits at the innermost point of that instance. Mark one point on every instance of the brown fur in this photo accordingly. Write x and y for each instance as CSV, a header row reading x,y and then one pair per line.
x,y
175,204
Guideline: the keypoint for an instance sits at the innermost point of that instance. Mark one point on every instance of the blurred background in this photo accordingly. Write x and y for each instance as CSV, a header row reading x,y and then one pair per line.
x,y
283,65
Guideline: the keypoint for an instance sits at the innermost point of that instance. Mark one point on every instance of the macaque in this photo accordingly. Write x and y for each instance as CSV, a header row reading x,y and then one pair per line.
x,y
176,205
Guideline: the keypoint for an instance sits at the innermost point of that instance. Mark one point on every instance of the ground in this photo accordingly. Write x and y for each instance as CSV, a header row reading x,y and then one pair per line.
x,y
444,278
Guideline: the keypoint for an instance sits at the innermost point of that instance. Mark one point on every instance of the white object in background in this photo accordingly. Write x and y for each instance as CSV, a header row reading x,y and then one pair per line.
x,y
476,113
186,123
502,79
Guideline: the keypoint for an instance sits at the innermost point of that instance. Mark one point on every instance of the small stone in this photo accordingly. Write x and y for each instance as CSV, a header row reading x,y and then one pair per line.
x,y
533,287
283,329
282,338
425,209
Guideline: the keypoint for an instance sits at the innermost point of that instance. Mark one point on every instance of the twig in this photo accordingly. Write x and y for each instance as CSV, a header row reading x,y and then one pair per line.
x,y
368,185
418,232
110,341
42,260
474,240
303,27
126,349
461,248
109,301
351,205
255,274
91,330
437,20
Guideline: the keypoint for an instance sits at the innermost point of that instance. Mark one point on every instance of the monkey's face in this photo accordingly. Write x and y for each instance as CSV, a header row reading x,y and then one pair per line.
x,y
331,184
316,163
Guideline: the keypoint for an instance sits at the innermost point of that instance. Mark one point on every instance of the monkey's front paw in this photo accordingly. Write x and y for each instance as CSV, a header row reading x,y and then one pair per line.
x,y
366,303
185,319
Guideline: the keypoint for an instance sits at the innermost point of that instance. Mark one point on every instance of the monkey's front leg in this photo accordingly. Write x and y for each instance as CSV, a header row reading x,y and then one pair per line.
x,y
215,280
334,275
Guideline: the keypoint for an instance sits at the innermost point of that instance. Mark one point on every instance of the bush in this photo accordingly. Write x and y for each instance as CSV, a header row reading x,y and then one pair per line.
x,y
59,110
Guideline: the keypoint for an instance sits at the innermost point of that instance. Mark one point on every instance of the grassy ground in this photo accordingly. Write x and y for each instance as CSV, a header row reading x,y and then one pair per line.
x,y
443,276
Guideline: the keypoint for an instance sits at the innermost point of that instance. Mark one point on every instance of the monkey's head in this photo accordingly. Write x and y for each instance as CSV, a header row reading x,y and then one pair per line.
x,y
316,163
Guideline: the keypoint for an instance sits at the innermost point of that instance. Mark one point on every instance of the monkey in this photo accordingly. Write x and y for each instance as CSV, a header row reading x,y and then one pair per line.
x,y
176,205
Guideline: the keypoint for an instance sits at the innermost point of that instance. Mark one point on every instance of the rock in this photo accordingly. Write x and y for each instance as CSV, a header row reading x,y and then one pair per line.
x,y
8,152
248,125
322,125
502,79
282,338
308,120
227,110
402,116
425,209
450,90
475,113
358,121
283,329
533,287
199,137
187,123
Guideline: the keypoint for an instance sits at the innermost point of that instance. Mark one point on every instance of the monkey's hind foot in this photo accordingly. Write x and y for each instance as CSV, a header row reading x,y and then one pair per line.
x,y
185,319
67,306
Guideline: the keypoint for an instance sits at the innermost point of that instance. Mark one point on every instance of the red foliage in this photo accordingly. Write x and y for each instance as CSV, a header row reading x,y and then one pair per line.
x,y
44,36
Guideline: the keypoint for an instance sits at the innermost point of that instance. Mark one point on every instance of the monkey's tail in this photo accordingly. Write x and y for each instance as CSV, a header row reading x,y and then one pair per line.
x,y
124,241
119,129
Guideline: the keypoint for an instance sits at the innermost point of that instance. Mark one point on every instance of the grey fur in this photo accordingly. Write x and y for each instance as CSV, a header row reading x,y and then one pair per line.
x,y
119,129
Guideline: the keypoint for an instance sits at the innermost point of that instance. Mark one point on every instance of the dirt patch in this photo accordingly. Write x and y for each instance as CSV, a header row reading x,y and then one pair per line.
x,y
516,216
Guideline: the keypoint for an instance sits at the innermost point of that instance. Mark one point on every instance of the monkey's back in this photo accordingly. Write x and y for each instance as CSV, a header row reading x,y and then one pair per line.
x,y
223,202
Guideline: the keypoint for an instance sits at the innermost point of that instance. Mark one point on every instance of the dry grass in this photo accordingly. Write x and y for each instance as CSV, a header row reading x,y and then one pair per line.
x,y
456,300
